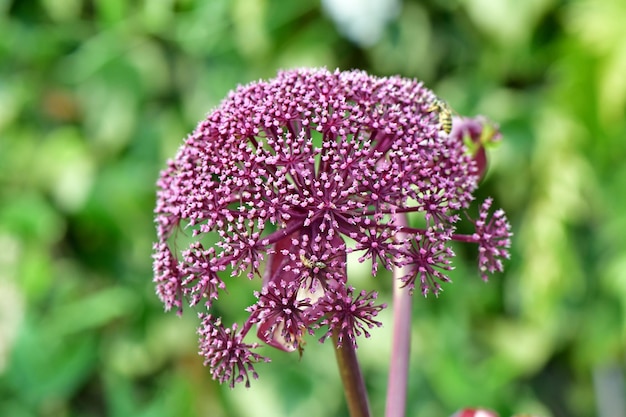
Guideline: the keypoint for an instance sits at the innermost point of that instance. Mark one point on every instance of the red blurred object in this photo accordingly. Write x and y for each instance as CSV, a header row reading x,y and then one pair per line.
x,y
475,412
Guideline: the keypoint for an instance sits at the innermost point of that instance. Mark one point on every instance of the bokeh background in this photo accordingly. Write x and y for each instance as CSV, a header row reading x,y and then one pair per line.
x,y
96,95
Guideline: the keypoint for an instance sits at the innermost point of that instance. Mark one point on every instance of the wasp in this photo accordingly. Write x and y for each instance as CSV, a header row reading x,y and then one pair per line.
x,y
300,345
310,264
444,114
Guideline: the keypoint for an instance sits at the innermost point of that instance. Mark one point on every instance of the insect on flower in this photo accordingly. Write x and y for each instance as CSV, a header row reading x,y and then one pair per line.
x,y
309,263
300,345
444,113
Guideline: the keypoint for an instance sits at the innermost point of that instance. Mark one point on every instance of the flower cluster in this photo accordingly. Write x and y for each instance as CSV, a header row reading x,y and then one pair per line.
x,y
288,176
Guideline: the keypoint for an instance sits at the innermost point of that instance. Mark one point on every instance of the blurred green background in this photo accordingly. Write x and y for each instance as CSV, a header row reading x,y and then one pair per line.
x,y
96,95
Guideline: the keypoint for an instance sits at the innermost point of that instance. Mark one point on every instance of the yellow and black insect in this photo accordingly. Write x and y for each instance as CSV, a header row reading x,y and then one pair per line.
x,y
444,114
310,264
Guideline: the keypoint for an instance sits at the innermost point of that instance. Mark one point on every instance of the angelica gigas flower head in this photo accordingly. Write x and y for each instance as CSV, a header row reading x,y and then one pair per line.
x,y
288,176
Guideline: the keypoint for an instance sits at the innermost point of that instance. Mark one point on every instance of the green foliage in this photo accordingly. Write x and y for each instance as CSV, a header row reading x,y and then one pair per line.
x,y
96,95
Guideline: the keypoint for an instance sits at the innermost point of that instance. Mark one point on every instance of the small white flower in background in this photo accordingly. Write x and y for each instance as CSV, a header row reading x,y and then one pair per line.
x,y
362,21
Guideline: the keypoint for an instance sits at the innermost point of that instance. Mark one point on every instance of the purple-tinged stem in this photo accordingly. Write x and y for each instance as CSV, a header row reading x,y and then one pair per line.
x,y
401,342
352,378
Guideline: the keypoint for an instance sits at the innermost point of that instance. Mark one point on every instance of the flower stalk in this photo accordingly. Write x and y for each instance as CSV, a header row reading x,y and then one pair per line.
x,y
352,379
401,341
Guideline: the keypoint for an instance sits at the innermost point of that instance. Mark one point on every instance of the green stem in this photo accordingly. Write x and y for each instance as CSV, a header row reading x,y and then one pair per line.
x,y
353,384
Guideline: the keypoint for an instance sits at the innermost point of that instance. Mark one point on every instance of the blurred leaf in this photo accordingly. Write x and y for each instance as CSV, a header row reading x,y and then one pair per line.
x,y
62,10
65,167
111,11
91,311
30,216
46,368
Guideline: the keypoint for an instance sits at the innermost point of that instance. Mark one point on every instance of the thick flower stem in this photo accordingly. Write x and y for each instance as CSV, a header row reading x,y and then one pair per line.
x,y
401,343
353,384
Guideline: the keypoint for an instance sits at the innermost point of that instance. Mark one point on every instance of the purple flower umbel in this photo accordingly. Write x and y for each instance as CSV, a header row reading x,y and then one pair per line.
x,y
289,175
